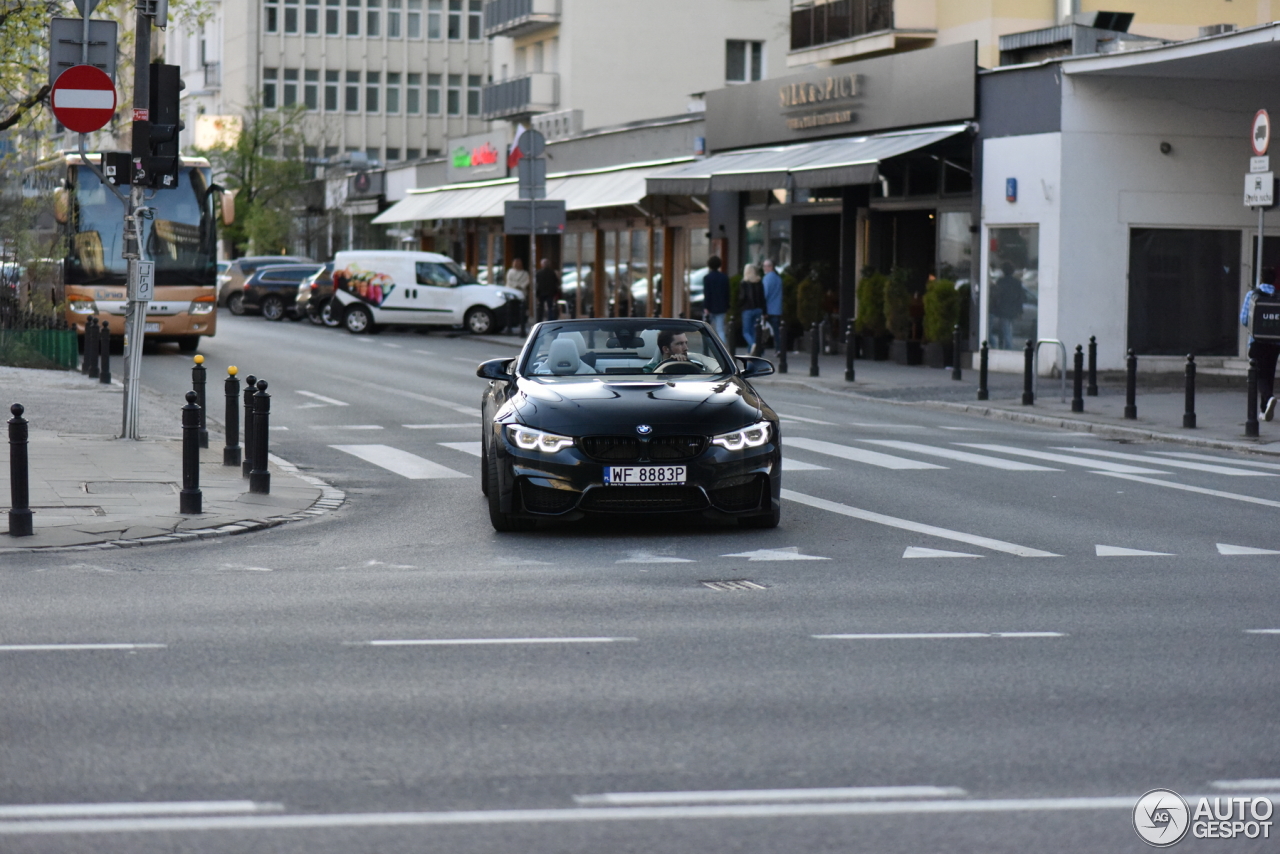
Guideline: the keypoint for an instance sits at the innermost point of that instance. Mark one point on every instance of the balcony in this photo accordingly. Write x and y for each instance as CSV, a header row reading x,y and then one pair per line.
x,y
837,30
519,17
212,75
520,97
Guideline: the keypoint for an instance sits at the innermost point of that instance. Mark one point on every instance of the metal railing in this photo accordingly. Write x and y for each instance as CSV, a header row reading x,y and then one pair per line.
x,y
816,24
512,17
524,95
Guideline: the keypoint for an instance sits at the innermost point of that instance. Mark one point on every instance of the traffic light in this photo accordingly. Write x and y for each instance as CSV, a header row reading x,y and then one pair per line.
x,y
162,136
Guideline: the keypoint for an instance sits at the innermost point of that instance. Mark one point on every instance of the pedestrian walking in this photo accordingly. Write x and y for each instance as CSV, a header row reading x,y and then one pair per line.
x,y
546,286
773,301
715,296
518,277
751,303
1263,353
1006,306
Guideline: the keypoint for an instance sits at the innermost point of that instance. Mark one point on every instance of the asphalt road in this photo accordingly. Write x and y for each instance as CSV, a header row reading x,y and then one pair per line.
x,y
981,637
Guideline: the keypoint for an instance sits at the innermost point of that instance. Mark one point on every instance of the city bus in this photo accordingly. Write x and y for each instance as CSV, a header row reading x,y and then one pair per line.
x,y
180,236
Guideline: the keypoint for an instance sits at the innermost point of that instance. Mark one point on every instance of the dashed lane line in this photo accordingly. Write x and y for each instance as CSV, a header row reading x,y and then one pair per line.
x,y
491,641
756,796
1200,490
147,808
321,398
939,635
78,647
470,424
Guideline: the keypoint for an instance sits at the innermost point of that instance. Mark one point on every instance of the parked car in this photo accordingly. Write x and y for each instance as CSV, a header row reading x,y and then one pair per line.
x,y
273,290
315,297
231,282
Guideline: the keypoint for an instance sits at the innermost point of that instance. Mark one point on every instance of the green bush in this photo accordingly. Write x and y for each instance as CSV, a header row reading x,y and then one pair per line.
x,y
941,311
870,320
790,295
735,283
809,301
897,304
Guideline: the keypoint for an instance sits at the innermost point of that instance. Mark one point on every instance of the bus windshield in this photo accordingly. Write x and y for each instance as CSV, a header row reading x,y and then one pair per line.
x,y
179,237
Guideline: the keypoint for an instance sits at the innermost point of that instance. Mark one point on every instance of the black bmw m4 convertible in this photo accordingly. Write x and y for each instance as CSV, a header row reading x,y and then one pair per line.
x,y
627,416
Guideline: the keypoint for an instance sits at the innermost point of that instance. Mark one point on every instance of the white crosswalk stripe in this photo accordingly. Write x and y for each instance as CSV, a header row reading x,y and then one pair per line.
x,y
1065,459
960,456
860,455
472,448
789,464
1210,459
403,463
1139,458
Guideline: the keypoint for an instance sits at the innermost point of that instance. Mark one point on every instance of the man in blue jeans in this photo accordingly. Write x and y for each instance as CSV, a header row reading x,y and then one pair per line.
x,y
715,296
773,301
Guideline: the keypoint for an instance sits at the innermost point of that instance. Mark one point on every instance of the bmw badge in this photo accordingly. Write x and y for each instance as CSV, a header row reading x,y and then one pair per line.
x,y
644,429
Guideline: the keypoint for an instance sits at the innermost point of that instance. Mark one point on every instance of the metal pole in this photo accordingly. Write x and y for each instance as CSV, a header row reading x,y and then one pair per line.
x,y
955,353
136,309
983,355
1077,382
1028,356
1092,390
850,346
260,477
1189,416
91,355
815,334
1131,387
190,500
104,353
782,345
20,522
231,453
1251,417
249,389
198,376
1257,267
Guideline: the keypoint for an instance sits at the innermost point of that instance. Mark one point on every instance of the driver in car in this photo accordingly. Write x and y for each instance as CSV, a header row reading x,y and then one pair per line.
x,y
672,347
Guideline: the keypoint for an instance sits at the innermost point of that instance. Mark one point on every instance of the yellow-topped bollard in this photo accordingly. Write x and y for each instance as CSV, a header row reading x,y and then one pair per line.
x,y
231,371
199,360
231,452
197,385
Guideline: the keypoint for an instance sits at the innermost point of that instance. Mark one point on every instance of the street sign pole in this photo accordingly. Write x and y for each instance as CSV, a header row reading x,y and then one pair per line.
x,y
1260,140
136,304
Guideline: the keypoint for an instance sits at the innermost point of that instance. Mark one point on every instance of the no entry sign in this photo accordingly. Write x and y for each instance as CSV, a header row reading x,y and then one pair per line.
x,y
83,98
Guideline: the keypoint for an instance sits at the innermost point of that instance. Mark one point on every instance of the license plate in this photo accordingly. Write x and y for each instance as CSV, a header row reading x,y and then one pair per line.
x,y
644,475
151,327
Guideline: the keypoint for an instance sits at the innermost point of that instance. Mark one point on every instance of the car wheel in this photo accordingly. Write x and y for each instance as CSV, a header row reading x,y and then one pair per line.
x,y
188,343
235,304
327,315
358,320
768,520
502,522
273,308
478,321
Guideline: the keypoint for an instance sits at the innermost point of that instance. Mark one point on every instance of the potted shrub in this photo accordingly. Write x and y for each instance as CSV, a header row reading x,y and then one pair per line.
x,y
941,313
808,308
870,320
897,316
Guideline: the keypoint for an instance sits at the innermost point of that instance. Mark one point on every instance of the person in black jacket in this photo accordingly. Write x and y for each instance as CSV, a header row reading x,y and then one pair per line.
x,y
750,303
715,296
546,287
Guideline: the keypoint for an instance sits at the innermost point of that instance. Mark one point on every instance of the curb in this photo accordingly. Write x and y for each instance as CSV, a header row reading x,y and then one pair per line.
x,y
331,498
1045,420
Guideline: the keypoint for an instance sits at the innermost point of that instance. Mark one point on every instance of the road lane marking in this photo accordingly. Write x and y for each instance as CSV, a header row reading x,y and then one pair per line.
x,y
403,463
1262,631
876,425
1116,455
1096,465
1120,551
437,426
345,426
1263,783
859,455
1211,459
76,647
425,398
490,641
464,359
753,796
472,448
321,398
425,352
650,557
788,553
917,551
918,527
573,815
806,420
1225,549
277,428
1248,499
960,456
940,635
389,344
136,809
789,464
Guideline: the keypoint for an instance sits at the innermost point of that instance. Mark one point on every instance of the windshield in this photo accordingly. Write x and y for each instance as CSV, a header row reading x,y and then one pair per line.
x,y
671,348
179,237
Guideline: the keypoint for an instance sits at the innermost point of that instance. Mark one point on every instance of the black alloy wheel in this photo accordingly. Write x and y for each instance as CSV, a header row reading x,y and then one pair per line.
x,y
235,304
273,308
327,313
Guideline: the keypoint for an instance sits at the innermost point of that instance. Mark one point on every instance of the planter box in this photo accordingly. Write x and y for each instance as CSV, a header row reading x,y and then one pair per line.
x,y
906,352
936,355
873,347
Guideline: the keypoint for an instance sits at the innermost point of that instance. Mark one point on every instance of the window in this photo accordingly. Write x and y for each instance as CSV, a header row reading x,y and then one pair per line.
x,y
311,21
1184,290
372,154
1013,285
413,94
455,20
330,151
415,19
475,20
433,94
522,60
290,87
412,153
353,17
393,154
269,76
372,80
393,19
474,82
433,18
455,95
539,57
331,81
332,16
273,16
353,92
310,89
743,61
373,22
393,93
291,16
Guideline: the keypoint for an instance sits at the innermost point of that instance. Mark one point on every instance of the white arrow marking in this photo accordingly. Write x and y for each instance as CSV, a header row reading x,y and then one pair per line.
x,y
1117,551
1224,549
917,551
789,553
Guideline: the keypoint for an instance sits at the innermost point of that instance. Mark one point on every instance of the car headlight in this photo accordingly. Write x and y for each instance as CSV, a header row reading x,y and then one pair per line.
x,y
528,439
748,437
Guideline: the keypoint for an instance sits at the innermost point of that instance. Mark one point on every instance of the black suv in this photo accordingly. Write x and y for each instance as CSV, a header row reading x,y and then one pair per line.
x,y
274,290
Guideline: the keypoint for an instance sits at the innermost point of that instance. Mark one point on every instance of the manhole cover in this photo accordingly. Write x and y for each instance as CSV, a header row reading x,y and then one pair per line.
x,y
130,487
733,585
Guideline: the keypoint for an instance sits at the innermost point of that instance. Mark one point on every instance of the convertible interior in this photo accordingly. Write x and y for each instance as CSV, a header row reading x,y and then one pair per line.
x,y
561,352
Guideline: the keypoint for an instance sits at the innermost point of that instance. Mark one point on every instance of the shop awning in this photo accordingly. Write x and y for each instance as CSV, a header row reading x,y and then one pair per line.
x,y
587,190
831,163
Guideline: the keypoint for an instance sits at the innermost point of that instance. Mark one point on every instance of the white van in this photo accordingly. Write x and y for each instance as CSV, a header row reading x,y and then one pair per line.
x,y
373,288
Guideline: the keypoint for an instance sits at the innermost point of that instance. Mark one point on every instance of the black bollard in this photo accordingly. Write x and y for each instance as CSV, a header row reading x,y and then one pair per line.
x,y
1077,382
198,376
815,346
850,345
982,371
190,501
1028,357
249,391
20,523
260,477
730,329
89,365
1131,387
1251,416
782,346
955,353
1189,417
1092,390
231,453
104,353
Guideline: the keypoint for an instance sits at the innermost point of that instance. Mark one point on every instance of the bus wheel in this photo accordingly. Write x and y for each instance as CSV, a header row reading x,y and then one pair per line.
x,y
188,343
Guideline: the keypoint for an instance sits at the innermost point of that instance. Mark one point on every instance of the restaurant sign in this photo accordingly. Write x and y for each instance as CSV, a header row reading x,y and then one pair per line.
x,y
477,158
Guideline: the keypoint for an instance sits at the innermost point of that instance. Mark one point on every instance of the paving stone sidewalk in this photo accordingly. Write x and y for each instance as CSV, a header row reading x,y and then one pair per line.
x,y
89,489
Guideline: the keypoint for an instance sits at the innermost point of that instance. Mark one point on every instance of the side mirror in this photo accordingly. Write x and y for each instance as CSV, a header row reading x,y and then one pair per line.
x,y
62,205
496,369
453,280
754,366
227,203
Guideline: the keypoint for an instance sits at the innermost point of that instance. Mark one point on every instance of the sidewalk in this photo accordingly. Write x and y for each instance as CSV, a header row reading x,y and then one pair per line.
x,y
90,490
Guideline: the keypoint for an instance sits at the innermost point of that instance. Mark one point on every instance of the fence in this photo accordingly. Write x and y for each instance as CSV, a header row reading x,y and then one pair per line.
x,y
33,339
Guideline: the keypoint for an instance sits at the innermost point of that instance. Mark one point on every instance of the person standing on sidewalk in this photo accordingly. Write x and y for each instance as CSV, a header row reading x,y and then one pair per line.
x,y
546,286
751,302
518,278
773,301
1263,353
715,296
